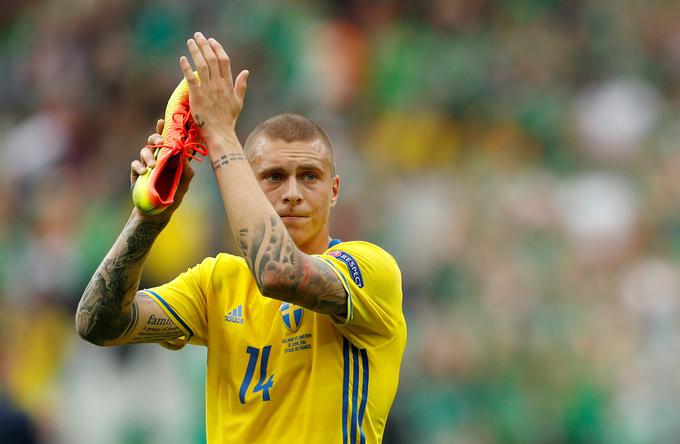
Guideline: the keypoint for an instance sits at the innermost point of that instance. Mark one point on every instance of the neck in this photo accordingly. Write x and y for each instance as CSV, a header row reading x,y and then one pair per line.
x,y
317,244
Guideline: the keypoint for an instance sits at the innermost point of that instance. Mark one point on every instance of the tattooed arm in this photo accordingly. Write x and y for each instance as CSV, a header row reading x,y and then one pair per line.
x,y
284,272
280,269
110,309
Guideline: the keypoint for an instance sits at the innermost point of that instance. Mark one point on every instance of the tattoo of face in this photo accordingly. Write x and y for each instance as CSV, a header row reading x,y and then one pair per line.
x,y
225,159
101,313
303,280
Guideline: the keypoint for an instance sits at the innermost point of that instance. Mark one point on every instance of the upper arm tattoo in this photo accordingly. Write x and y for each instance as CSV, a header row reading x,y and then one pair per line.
x,y
283,272
148,323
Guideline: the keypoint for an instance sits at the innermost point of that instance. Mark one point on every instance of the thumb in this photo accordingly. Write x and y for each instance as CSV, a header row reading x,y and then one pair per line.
x,y
240,85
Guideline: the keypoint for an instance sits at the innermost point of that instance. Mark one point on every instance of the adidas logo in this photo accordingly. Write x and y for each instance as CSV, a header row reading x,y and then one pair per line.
x,y
235,315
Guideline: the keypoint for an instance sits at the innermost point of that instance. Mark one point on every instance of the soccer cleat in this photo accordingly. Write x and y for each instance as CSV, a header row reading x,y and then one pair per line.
x,y
155,190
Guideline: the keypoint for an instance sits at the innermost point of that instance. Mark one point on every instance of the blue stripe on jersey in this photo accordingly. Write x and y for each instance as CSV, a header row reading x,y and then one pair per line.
x,y
345,387
364,393
334,242
347,287
172,312
355,394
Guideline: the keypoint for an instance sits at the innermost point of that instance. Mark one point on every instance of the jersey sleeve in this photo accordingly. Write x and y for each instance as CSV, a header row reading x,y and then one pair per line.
x,y
372,280
184,300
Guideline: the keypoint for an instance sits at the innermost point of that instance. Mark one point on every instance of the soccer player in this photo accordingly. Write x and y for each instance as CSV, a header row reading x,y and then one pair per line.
x,y
305,334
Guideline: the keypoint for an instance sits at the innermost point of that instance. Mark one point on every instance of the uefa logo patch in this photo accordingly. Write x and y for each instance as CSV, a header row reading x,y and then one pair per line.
x,y
291,315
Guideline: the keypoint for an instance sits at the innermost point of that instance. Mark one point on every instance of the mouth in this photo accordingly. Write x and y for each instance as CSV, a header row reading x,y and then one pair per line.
x,y
292,218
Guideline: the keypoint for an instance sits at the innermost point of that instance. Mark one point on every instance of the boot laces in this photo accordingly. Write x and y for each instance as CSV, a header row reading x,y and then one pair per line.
x,y
184,137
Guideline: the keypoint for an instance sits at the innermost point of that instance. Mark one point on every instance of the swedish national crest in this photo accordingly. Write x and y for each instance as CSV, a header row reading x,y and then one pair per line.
x,y
291,315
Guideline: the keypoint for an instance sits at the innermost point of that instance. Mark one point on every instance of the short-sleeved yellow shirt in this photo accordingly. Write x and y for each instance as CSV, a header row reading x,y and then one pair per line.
x,y
279,373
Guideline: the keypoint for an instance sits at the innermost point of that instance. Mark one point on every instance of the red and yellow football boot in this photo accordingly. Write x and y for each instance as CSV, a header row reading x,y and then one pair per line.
x,y
154,191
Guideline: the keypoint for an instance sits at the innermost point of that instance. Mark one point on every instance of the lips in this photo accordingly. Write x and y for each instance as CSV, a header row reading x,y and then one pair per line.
x,y
292,218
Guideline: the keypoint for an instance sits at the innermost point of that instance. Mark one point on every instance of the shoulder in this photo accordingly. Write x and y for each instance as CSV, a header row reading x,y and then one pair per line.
x,y
228,260
224,263
363,250
365,258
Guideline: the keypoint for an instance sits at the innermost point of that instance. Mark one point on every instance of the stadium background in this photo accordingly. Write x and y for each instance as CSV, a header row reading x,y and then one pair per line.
x,y
520,158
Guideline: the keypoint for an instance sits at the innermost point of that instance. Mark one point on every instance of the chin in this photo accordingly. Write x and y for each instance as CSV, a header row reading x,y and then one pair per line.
x,y
296,234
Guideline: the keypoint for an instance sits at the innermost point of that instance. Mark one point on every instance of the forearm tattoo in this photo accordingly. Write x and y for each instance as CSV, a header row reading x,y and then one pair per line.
x,y
225,159
101,313
277,263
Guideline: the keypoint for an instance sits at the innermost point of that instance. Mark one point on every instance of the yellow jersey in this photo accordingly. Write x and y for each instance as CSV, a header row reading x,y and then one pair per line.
x,y
279,373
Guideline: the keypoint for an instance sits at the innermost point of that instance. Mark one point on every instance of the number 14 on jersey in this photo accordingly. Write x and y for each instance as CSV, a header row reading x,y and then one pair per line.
x,y
261,385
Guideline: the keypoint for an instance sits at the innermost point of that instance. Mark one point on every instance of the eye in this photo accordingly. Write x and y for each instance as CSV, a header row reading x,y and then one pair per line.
x,y
274,177
310,176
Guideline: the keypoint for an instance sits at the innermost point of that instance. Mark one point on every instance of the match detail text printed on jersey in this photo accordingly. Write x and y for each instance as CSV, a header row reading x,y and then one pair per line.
x,y
297,343
352,265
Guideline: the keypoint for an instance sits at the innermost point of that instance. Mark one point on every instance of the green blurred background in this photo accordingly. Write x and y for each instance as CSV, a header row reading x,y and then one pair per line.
x,y
520,158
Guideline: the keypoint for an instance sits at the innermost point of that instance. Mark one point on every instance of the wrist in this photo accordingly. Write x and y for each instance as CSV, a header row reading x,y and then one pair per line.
x,y
222,142
138,218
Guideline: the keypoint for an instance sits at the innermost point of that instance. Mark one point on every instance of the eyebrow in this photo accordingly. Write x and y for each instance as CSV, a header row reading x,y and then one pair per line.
x,y
281,170
310,166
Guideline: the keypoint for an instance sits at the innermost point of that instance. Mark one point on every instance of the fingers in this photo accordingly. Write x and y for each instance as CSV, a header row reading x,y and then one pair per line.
x,y
200,62
137,168
159,126
147,157
155,139
222,59
189,75
209,55
241,85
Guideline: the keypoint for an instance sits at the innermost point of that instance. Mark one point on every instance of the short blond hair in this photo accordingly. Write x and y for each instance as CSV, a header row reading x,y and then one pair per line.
x,y
289,128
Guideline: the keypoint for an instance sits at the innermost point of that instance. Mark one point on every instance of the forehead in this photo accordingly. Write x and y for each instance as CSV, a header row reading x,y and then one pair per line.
x,y
277,153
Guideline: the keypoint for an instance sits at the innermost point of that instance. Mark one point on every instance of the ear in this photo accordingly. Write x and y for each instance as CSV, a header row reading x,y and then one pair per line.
x,y
335,189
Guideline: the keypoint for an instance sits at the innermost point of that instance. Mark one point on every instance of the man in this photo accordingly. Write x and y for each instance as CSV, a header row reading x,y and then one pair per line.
x,y
305,335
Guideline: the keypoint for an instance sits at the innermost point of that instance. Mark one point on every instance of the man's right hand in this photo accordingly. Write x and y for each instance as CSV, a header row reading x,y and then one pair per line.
x,y
146,161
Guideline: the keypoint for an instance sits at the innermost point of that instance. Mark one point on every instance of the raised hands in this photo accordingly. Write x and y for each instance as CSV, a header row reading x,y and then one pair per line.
x,y
216,100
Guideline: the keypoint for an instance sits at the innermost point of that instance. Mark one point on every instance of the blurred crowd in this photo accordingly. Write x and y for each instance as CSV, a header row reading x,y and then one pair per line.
x,y
519,158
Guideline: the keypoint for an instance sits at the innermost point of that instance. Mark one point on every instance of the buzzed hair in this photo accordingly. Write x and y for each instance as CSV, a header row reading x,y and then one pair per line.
x,y
289,128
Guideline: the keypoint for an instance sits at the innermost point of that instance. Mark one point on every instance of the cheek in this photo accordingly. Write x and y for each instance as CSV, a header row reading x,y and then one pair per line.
x,y
272,193
321,201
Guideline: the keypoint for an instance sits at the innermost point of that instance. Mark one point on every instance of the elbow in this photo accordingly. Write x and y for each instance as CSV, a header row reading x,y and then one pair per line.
x,y
87,331
268,289
92,339
273,287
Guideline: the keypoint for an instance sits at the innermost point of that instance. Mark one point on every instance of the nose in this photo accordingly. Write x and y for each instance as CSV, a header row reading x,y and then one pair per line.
x,y
291,194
